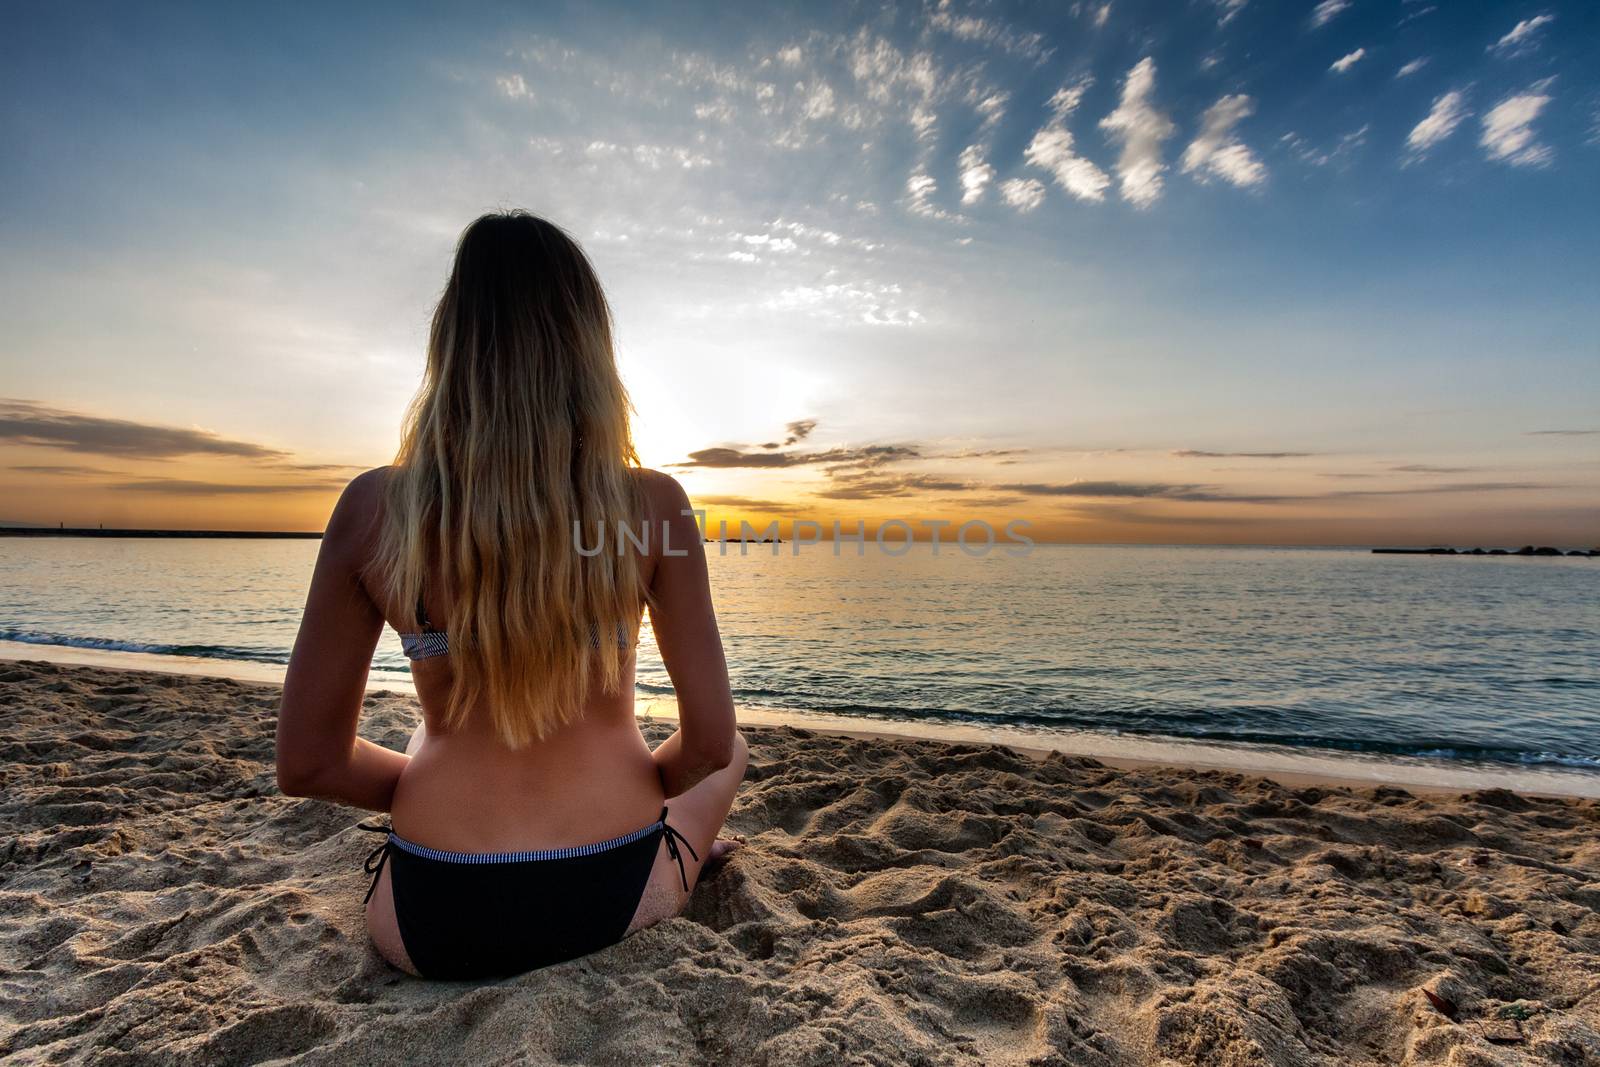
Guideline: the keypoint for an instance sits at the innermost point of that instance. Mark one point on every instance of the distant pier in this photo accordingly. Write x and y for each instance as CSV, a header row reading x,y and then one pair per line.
x,y
1525,550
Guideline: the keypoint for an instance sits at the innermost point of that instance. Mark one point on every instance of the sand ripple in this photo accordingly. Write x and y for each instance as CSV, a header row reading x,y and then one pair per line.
x,y
900,902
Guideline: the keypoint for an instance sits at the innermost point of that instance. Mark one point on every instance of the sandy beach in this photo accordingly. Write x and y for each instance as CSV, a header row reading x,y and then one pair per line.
x,y
900,901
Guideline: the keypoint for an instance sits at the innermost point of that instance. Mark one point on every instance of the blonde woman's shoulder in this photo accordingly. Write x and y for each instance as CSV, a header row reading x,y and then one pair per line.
x,y
663,495
355,516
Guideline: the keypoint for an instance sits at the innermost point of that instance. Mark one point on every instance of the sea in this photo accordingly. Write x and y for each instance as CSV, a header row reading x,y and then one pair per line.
x,y
1486,662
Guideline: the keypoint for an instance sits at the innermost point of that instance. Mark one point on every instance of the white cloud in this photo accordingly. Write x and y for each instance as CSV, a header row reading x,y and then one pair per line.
x,y
1024,194
791,56
1412,67
1508,129
744,257
920,188
816,101
1066,99
1326,10
768,241
1346,62
1227,9
991,106
975,174
514,87
873,305
715,111
1141,129
1051,149
987,31
1215,151
649,156
1520,39
1102,14
881,68
1319,157
1443,118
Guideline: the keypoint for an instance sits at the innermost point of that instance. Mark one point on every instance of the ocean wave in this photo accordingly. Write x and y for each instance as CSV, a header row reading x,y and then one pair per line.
x,y
1192,724
108,644
1436,750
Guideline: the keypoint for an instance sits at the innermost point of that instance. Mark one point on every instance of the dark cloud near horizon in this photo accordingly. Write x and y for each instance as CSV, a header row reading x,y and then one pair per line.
x,y
799,430
754,504
26,422
1195,453
1201,493
189,487
1561,433
874,487
67,470
318,468
1424,468
726,458
1193,491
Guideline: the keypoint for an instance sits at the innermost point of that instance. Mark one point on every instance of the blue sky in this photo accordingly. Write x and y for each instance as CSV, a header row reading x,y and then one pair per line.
x,y
1185,271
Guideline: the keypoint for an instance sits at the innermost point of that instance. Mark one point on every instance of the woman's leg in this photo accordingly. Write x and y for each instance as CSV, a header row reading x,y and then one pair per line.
x,y
382,926
698,815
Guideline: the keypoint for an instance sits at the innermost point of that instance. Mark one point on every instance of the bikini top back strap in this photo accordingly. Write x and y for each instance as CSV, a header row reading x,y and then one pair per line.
x,y
673,838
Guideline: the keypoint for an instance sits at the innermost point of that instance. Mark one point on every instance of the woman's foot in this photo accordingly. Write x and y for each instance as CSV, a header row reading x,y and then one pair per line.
x,y
722,848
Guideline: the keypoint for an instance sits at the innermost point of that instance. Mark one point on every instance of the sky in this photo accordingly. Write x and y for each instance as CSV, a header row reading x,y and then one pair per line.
x,y
1218,271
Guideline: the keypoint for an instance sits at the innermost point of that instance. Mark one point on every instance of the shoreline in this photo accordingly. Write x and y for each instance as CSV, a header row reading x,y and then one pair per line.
x,y
1292,767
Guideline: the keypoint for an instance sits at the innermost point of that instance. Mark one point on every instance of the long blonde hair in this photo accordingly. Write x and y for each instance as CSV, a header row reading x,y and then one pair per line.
x,y
519,432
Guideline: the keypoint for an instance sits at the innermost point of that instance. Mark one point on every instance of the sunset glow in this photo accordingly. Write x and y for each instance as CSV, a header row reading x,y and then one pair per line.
x,y
1152,273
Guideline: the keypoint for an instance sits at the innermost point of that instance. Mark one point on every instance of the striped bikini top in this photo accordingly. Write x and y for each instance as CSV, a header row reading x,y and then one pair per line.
x,y
428,642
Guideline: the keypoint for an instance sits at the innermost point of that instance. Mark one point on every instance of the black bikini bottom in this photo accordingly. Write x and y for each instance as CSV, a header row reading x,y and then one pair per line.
x,y
465,915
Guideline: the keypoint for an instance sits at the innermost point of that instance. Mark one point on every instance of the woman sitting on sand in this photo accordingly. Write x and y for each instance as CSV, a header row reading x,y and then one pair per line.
x,y
531,823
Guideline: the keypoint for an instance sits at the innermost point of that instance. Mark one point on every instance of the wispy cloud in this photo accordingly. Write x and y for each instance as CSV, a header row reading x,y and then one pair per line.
x,y
1340,152
798,430
513,87
1508,130
1024,194
920,188
191,487
1030,46
1104,490
26,422
742,503
1195,453
858,302
1325,11
1227,10
1443,118
879,486
67,470
1216,151
1141,128
975,174
1344,63
739,457
1521,38
1412,67
1052,149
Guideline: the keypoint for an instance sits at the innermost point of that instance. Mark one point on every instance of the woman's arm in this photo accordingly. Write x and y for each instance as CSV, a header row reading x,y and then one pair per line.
x,y
685,626
319,753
